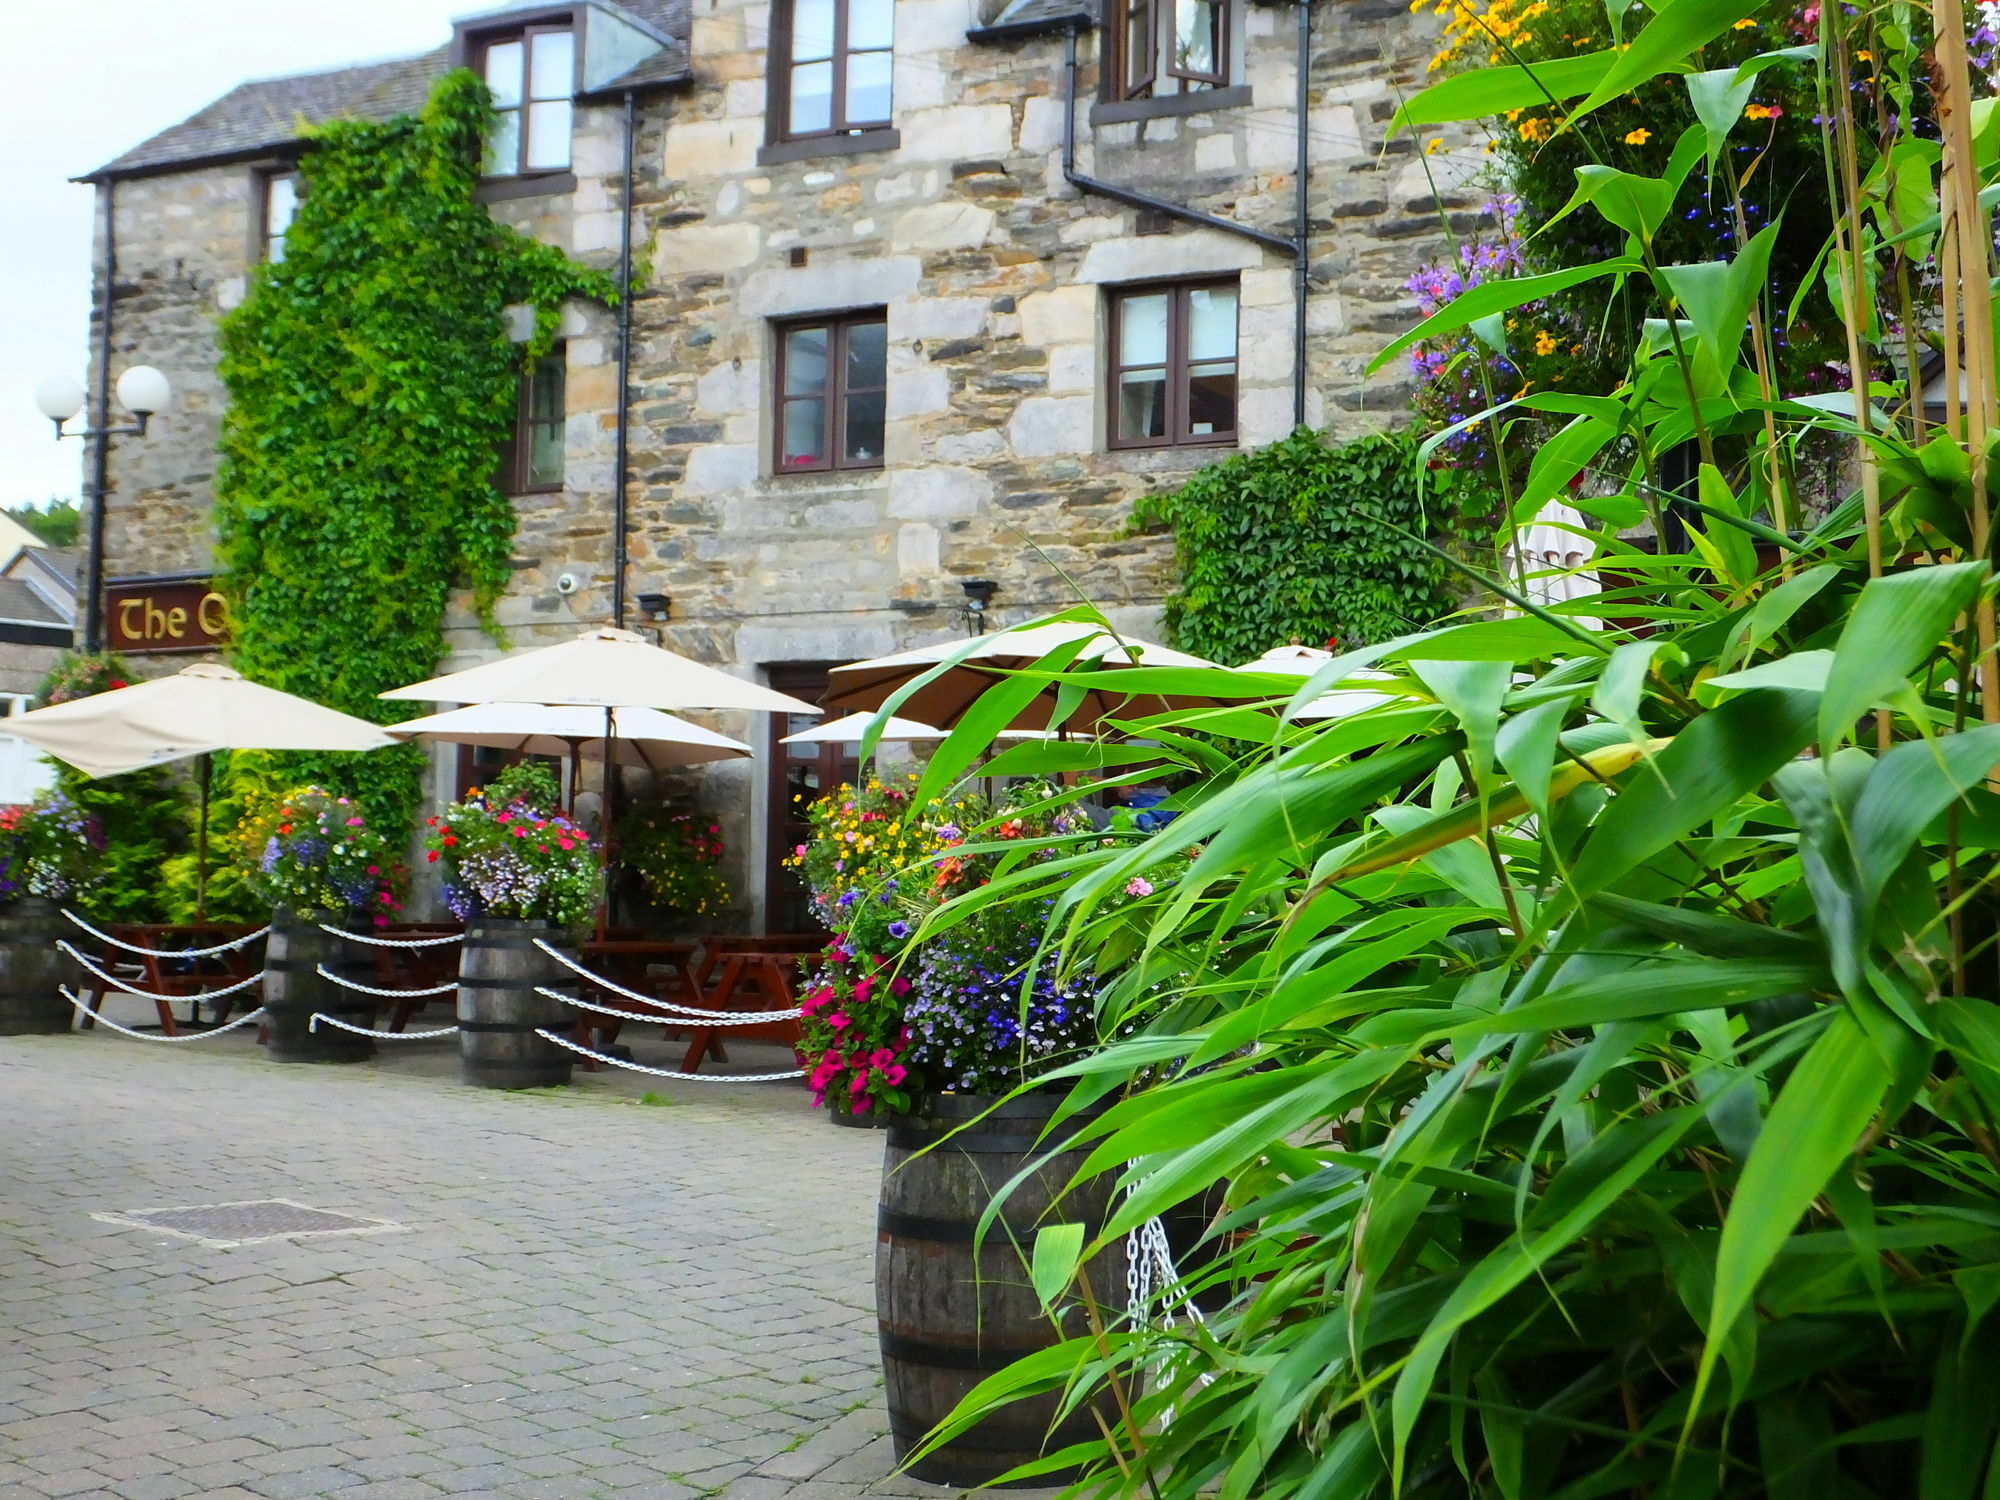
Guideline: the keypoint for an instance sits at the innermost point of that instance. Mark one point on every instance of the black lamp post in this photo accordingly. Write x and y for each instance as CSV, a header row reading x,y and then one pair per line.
x,y
142,390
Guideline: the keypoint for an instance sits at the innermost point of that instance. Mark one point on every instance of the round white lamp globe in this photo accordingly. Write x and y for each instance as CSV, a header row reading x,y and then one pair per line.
x,y
59,397
143,390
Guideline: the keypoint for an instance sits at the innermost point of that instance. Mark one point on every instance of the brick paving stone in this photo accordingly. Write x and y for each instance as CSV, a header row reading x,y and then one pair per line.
x,y
590,1298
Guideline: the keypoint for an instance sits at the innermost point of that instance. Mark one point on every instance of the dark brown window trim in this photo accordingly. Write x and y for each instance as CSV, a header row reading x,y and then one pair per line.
x,y
1176,365
778,92
834,397
1116,31
810,147
1200,102
515,461
261,176
537,185
469,42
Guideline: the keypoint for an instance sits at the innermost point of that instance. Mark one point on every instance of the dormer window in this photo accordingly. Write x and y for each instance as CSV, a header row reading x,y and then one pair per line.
x,y
532,74
1168,47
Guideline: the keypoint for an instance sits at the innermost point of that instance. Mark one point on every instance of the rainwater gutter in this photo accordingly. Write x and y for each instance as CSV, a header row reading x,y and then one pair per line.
x,y
621,462
1293,245
100,446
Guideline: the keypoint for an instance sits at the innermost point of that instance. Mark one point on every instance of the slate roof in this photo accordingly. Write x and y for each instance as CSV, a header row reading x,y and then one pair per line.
x,y
262,117
1033,17
22,604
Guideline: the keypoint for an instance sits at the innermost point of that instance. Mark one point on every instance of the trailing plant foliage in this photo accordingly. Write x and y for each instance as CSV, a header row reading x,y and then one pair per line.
x,y
144,817
1303,539
1595,1037
676,854
314,853
503,856
370,381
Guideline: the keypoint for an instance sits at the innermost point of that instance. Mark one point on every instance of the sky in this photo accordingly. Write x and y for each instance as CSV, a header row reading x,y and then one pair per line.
x,y
77,87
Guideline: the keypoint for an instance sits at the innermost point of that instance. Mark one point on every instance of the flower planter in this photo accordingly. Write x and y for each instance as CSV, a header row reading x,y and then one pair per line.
x,y
295,991
31,969
951,1314
499,1011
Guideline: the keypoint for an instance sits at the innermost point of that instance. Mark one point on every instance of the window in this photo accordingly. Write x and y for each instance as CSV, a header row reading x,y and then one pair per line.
x,y
832,384
835,66
532,77
1173,365
1164,47
531,460
800,776
279,202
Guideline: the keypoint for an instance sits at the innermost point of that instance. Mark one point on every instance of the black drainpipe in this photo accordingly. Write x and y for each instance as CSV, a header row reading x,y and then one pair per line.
x,y
1293,245
622,461
1302,225
100,445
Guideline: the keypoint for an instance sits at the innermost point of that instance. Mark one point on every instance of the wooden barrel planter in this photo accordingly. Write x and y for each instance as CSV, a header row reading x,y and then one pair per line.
x,y
31,1004
295,991
951,1313
499,970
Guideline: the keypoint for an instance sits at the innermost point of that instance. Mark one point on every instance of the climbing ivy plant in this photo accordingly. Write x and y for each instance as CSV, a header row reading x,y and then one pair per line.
x,y
1308,540
370,380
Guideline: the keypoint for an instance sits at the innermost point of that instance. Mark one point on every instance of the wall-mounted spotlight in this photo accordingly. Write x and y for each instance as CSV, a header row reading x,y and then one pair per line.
x,y
979,594
657,607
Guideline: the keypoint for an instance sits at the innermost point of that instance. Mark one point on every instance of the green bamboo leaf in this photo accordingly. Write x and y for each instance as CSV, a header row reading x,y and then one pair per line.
x,y
1911,785
1634,994
1483,92
1527,746
1813,1126
1722,756
1676,30
1058,1252
1473,691
1895,625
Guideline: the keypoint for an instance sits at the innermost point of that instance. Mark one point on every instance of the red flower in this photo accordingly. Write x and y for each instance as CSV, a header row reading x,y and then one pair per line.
x,y
432,856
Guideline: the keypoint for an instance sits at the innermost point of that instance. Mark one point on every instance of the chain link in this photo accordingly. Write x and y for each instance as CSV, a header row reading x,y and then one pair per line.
x,y
389,1036
104,937
125,989
193,1036
713,1017
708,1017
549,1036
368,989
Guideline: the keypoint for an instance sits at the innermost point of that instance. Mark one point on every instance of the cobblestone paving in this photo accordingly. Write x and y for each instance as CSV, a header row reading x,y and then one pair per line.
x,y
596,1293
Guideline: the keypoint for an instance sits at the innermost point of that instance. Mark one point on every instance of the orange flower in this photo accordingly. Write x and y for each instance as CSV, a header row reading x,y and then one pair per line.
x,y
1638,137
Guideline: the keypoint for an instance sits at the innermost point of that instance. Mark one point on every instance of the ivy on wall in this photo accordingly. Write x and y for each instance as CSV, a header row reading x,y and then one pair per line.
x,y
370,381
1303,539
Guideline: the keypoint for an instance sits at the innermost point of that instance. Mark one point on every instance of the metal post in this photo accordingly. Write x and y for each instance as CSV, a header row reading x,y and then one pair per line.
x,y
100,441
622,461
1301,288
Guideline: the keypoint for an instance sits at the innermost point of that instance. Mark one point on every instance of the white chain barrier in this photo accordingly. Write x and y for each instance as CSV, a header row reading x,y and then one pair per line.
x,y
387,1036
1149,1266
550,1036
382,942
104,937
368,989
125,989
711,1017
193,1036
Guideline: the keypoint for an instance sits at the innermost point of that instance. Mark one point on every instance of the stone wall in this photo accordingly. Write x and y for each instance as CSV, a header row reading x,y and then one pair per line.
x,y
992,270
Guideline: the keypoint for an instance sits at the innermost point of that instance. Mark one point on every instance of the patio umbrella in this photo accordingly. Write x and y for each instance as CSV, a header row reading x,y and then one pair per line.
x,y
195,712
604,669
642,737
1301,662
853,726
945,700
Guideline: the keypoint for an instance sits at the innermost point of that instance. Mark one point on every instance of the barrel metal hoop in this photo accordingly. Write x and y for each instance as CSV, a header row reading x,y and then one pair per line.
x,y
987,1358
500,982
511,1028
959,1231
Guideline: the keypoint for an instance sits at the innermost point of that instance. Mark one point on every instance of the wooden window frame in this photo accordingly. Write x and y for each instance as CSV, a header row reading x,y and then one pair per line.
x,y
838,327
518,451
872,132
806,680
1120,88
482,44
1177,366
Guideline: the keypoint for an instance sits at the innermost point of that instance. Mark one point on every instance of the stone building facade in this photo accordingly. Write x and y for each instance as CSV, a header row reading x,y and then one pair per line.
x,y
979,251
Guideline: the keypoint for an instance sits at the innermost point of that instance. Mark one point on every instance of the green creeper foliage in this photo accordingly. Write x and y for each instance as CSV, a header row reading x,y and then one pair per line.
x,y
370,378
1300,539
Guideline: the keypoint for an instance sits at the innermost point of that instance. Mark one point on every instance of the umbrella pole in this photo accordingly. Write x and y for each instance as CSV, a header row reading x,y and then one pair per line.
x,y
201,844
608,805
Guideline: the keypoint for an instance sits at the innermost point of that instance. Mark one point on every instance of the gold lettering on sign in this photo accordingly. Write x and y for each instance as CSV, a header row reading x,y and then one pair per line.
x,y
170,615
211,614
126,607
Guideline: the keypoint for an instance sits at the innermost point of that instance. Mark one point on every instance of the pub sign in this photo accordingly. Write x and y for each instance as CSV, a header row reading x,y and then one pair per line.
x,y
152,615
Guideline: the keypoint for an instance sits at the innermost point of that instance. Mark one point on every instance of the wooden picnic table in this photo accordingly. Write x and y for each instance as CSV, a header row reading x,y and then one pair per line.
x,y
166,975
715,974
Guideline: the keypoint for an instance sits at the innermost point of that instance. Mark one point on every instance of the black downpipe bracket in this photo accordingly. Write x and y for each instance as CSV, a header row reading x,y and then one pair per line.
x,y
1293,245
100,444
621,462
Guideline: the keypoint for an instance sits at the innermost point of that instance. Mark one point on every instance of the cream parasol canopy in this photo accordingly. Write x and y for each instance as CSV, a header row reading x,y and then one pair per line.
x,y
199,709
983,662
643,737
852,726
1301,662
604,668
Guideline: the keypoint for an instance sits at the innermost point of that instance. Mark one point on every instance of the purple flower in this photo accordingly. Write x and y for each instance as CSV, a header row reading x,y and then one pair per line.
x,y
899,929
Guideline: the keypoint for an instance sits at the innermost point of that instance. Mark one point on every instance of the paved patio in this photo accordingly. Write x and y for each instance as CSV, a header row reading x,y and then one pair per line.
x,y
634,1287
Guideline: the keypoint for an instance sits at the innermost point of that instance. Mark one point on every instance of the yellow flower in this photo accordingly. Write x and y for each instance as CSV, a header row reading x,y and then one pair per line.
x,y
1638,137
1762,112
1435,145
1545,342
1746,24
1864,57
1534,129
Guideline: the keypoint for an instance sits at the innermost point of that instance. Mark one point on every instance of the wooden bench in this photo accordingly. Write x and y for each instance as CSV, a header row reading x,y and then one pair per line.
x,y
168,976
